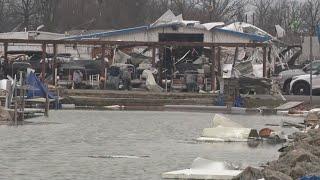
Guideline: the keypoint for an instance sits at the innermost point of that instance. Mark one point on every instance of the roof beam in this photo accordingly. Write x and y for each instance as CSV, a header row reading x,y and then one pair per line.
x,y
133,43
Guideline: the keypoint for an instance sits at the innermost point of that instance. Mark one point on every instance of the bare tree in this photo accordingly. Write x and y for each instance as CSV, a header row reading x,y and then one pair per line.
x,y
2,15
26,11
47,10
222,10
262,12
62,15
311,15
184,7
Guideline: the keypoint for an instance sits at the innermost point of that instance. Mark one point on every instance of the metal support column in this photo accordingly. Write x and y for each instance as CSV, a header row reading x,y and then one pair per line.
x,y
54,65
153,56
43,62
213,65
264,61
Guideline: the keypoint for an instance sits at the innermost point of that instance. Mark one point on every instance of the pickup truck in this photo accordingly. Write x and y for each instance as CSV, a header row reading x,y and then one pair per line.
x,y
285,77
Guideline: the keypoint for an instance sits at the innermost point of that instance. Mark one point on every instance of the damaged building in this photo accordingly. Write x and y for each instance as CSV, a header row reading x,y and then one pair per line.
x,y
180,55
176,62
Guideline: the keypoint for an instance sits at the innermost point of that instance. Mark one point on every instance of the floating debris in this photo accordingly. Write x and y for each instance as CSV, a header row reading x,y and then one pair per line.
x,y
119,157
225,130
205,169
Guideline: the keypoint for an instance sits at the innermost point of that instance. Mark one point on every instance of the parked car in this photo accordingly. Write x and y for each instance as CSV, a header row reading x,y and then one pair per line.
x,y
300,85
285,77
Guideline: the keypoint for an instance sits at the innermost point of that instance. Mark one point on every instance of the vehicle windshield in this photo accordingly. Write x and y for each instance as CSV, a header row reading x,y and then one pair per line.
x,y
315,67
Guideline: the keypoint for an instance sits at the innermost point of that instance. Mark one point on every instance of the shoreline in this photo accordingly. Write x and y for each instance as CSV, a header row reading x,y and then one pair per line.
x,y
102,98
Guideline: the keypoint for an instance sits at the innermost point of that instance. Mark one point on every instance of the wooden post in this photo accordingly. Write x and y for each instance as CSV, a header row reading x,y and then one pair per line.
x,y
54,65
57,99
6,61
103,65
269,60
219,62
161,67
264,62
23,104
236,53
213,65
153,56
47,104
253,19
220,74
15,106
21,97
43,64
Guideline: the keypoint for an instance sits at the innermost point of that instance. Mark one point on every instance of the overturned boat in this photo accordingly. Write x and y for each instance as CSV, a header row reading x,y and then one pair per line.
x,y
225,130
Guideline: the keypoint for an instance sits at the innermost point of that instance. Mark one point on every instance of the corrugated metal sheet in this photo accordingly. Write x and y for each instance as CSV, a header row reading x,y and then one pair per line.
x,y
152,35
147,33
40,35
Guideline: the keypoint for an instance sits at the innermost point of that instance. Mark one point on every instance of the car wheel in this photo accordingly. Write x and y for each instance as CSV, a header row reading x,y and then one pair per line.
x,y
301,88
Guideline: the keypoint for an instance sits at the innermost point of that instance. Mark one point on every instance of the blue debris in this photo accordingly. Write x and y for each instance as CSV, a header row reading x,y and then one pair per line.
x,y
220,100
310,178
39,89
239,102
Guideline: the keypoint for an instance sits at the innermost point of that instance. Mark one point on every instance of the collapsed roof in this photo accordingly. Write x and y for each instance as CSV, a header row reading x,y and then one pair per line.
x,y
168,19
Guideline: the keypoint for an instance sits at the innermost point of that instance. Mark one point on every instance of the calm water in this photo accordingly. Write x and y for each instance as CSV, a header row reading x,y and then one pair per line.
x,y
63,147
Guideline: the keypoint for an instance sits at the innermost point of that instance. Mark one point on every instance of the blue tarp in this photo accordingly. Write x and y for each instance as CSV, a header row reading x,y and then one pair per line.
x,y
318,32
38,88
239,102
310,178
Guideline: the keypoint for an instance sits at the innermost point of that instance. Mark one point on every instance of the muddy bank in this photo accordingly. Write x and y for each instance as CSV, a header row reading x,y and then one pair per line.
x,y
301,158
142,98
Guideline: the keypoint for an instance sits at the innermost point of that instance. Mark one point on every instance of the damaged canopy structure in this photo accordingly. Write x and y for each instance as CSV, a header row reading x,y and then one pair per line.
x,y
219,51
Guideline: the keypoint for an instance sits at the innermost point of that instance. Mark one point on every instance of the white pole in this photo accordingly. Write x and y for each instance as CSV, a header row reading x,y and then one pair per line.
x,y
311,73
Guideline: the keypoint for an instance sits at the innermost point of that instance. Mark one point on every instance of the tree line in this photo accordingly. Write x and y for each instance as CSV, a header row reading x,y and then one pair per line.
x,y
295,16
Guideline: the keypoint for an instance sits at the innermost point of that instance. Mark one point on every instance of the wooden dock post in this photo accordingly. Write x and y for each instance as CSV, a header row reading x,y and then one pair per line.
x,y
103,66
23,104
15,107
57,99
47,106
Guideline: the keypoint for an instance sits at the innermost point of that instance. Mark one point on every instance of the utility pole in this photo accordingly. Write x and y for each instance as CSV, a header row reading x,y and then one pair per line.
x,y
311,60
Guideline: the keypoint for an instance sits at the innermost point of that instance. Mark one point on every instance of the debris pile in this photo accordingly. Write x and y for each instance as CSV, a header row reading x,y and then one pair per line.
x,y
4,115
301,158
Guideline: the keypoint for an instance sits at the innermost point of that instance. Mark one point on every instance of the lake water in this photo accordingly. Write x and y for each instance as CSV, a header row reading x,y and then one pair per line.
x,y
68,144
